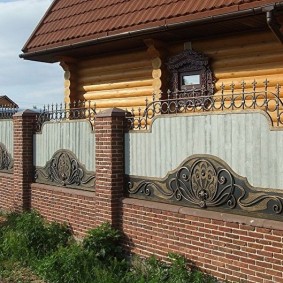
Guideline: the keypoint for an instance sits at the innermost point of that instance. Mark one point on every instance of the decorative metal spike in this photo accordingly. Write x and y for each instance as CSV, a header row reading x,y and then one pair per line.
x,y
232,85
168,94
146,102
277,88
202,90
243,84
254,83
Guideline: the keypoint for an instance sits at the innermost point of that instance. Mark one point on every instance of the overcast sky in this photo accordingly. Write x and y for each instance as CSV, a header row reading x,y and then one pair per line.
x,y
26,82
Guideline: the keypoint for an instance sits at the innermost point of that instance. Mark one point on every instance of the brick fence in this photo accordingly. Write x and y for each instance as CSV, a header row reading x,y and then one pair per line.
x,y
228,246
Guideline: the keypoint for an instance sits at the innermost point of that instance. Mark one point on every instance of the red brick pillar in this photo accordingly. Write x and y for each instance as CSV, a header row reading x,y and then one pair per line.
x,y
24,128
109,133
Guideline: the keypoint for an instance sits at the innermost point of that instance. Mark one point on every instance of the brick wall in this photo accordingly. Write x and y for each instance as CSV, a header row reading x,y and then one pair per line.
x,y
230,247
6,192
71,206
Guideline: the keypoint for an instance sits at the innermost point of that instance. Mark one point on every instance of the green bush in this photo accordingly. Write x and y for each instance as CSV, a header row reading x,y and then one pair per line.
x,y
103,241
27,236
70,264
94,260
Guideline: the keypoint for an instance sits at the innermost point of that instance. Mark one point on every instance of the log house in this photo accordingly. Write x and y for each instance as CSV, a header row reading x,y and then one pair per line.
x,y
115,61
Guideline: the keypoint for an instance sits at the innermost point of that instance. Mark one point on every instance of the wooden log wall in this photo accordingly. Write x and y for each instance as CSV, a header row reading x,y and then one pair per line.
x,y
123,80
127,80
70,76
246,57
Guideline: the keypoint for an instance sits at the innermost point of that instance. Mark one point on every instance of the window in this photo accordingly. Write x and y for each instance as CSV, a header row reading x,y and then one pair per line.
x,y
189,80
190,74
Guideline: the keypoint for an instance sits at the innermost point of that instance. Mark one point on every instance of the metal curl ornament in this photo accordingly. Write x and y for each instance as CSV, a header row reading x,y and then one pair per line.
x,y
207,182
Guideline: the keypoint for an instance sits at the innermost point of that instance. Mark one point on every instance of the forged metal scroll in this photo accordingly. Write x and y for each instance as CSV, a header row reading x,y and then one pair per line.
x,y
6,160
206,181
65,170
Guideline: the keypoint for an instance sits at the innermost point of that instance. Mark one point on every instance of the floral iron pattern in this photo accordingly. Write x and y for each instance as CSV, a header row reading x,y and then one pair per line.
x,y
65,170
6,160
205,181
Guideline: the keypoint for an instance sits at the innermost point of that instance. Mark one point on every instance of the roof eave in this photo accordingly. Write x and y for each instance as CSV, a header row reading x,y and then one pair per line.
x,y
49,52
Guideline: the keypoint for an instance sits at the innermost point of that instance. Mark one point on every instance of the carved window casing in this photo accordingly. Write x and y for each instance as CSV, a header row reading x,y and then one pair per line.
x,y
190,74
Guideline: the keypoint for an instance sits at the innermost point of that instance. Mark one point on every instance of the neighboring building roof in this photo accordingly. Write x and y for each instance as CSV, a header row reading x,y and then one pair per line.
x,y
5,101
69,22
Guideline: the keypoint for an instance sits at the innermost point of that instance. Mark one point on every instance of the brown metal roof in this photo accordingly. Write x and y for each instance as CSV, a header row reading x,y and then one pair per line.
x,y
70,22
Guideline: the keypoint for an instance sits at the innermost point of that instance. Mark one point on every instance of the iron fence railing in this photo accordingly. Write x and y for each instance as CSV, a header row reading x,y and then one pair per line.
x,y
67,111
194,101
7,111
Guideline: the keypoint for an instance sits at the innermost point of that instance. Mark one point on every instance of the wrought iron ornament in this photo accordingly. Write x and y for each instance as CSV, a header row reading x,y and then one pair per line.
x,y
7,111
65,170
206,181
188,101
68,111
6,160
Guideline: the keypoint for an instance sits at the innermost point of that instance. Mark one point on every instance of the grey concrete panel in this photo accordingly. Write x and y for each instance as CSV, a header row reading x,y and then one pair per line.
x,y
243,140
6,135
76,136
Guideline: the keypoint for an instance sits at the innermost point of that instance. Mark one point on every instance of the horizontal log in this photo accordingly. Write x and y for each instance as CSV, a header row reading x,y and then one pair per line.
x,y
114,86
67,83
114,59
113,68
241,51
244,61
156,63
128,75
129,109
156,84
119,93
272,79
246,74
67,92
156,73
249,68
226,43
122,103
67,75
232,41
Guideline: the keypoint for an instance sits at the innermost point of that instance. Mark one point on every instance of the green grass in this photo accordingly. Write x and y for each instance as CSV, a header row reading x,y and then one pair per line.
x,y
32,250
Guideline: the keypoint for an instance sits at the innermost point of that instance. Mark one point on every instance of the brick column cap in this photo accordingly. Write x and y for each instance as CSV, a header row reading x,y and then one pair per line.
x,y
112,112
25,113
